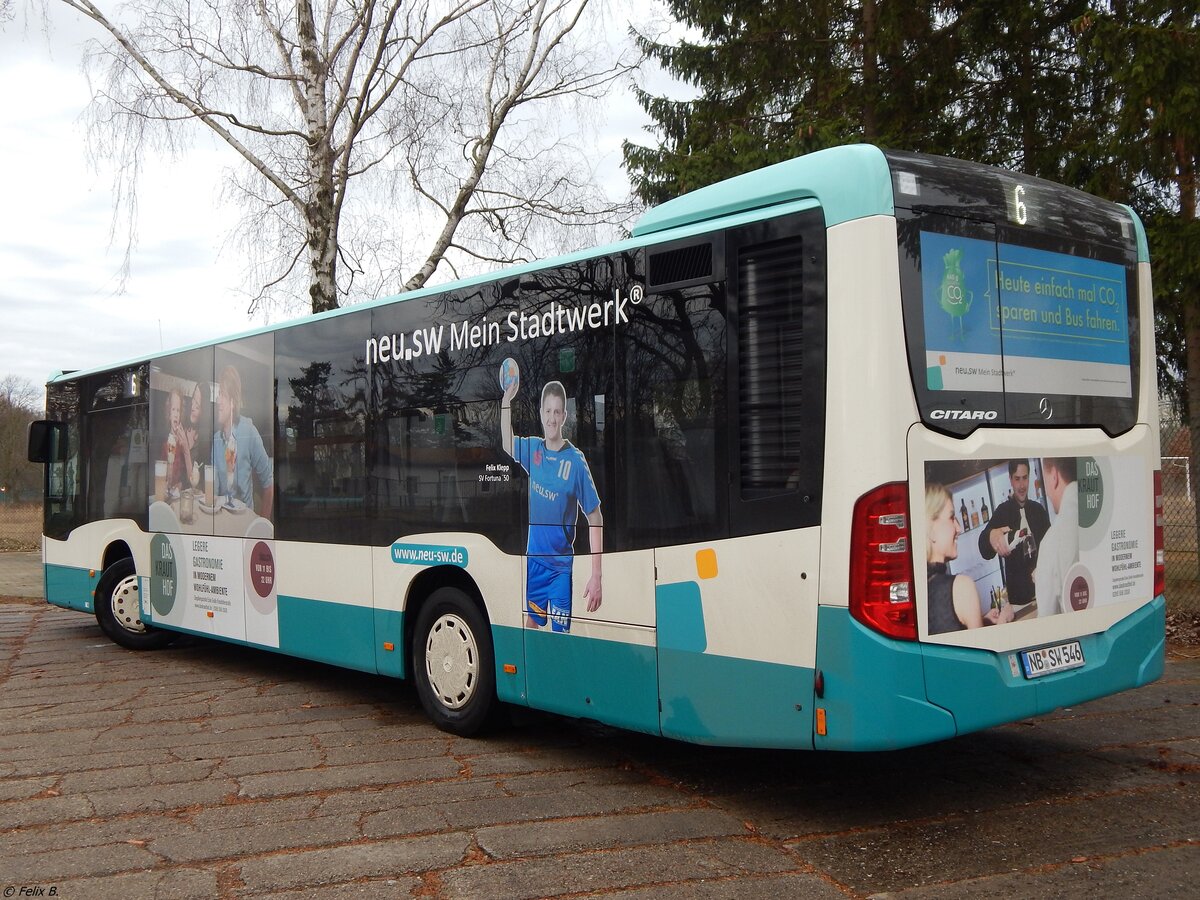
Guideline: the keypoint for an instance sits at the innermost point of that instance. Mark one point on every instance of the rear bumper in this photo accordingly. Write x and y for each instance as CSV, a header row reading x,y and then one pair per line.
x,y
882,694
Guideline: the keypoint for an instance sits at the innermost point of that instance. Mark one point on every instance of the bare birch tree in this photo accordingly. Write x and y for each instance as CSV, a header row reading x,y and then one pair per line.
x,y
361,127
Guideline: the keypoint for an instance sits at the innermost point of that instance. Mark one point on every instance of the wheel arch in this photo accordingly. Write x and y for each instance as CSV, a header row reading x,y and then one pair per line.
x,y
422,588
116,550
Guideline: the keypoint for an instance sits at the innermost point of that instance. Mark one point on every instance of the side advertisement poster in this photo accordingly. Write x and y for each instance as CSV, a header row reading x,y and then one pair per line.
x,y
211,442
225,587
1015,539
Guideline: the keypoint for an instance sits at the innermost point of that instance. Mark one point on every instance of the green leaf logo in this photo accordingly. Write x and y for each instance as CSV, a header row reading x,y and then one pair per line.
x,y
954,299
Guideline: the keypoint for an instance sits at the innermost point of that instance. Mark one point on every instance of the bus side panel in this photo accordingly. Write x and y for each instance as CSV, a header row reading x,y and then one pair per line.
x,y
325,609
720,700
70,587
605,667
340,634
736,624
508,645
72,567
874,689
598,671
497,575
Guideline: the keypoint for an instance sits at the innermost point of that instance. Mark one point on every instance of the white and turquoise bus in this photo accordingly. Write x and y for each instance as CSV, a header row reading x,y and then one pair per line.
x,y
857,451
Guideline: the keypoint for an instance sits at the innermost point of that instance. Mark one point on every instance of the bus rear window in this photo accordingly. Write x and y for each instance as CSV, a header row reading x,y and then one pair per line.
x,y
1008,327
1005,318
1020,298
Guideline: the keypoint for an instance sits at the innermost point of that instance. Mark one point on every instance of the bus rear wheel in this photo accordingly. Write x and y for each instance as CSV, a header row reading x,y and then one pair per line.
x,y
453,663
119,610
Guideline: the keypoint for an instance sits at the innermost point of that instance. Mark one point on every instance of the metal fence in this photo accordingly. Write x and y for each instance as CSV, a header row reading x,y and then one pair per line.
x,y
20,524
21,521
1179,518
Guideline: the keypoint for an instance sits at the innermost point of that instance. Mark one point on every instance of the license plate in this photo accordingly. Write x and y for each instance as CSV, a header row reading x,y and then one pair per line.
x,y
1048,660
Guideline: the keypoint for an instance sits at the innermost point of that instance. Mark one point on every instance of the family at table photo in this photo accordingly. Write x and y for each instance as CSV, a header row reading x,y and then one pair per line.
x,y
213,472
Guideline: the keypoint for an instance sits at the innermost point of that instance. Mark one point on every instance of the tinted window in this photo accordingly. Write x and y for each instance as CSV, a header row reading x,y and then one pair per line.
x,y
120,387
182,395
1014,326
777,285
559,344
436,462
440,469
673,454
63,509
321,452
118,464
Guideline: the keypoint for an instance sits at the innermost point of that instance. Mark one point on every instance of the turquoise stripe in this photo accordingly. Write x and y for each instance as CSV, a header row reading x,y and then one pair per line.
x,y
874,689
721,700
980,689
69,587
1130,654
589,678
883,694
334,633
713,699
679,610
389,628
508,643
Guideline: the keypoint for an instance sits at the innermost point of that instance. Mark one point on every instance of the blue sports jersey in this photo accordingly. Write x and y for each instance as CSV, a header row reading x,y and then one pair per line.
x,y
560,484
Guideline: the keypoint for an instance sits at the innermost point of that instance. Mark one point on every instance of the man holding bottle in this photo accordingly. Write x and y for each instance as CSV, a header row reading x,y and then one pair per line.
x,y
1014,533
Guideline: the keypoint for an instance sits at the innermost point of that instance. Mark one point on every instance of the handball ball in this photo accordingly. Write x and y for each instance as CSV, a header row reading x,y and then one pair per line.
x,y
509,373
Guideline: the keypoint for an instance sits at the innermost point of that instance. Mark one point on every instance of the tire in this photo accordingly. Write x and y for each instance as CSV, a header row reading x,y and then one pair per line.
x,y
118,610
453,663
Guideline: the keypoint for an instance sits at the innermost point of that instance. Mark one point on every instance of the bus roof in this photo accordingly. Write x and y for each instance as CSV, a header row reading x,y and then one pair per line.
x,y
849,182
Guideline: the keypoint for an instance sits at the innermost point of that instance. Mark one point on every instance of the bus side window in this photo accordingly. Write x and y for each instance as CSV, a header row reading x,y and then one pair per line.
x,y
777,275
321,465
675,389
771,348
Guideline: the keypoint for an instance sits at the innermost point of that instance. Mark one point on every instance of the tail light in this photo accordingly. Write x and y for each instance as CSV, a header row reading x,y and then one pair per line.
x,y
1160,549
882,594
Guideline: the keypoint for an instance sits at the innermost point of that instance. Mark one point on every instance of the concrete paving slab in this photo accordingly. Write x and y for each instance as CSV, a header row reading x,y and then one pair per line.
x,y
126,774
21,575
1166,873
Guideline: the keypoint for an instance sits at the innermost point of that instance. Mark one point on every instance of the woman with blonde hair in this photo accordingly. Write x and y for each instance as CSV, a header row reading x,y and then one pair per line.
x,y
953,599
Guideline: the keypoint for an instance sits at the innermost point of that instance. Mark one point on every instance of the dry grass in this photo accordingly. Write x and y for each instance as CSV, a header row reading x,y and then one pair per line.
x,y
20,526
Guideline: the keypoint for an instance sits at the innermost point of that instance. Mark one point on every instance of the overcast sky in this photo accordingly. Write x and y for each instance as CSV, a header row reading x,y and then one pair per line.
x,y
60,307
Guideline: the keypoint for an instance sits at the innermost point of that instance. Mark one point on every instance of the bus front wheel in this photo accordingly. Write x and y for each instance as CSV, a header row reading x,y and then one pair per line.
x,y
119,610
453,663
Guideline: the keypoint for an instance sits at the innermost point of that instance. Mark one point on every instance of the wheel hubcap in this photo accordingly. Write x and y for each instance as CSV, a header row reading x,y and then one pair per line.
x,y
126,605
452,661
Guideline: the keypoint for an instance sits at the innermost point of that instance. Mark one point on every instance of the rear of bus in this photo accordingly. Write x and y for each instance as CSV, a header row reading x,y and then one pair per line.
x,y
1001,555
